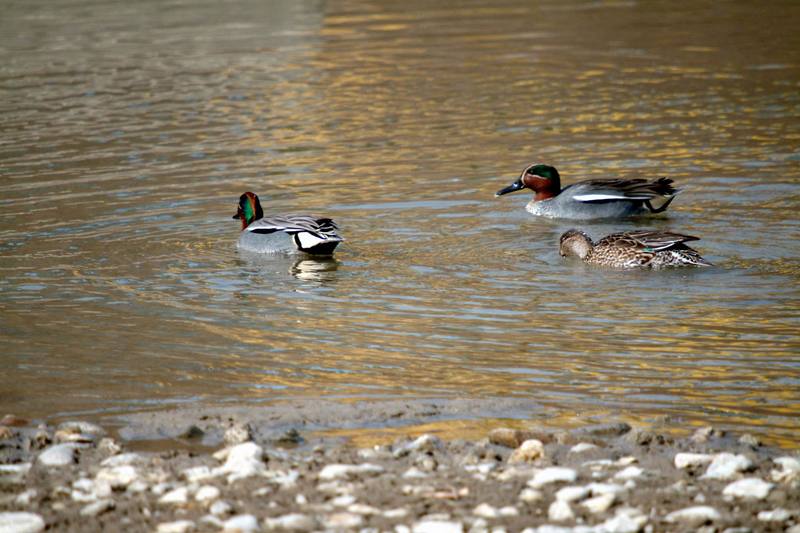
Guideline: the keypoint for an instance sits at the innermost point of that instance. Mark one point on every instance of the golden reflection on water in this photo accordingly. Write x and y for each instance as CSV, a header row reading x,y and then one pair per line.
x,y
121,288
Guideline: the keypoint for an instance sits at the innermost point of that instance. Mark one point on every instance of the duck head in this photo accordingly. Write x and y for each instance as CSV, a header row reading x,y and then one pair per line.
x,y
249,209
541,179
575,242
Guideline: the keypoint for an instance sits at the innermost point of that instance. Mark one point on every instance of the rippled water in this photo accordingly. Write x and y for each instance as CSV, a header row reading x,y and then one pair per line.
x,y
129,130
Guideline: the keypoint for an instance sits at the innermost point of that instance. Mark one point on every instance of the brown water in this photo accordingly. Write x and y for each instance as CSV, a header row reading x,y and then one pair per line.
x,y
130,129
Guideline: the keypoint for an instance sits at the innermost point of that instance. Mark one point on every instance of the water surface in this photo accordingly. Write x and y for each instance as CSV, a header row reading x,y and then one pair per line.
x,y
130,129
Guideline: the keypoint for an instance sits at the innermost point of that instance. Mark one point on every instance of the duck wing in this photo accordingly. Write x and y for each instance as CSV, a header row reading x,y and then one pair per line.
x,y
603,190
320,227
658,240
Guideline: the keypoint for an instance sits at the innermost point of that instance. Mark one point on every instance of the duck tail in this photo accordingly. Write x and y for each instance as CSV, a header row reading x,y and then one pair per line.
x,y
663,206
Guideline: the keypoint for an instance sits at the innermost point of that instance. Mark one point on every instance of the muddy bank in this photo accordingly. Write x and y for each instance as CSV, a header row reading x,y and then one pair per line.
x,y
607,477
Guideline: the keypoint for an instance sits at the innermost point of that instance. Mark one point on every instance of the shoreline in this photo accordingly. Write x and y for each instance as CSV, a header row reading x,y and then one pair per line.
x,y
230,471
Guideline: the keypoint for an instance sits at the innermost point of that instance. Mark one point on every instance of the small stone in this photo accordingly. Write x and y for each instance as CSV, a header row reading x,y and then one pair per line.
x,y
212,521
632,472
300,499
78,431
220,508
571,494
528,451
583,447
726,465
241,461
363,509
599,504
14,474
197,473
243,523
694,516
179,526
343,521
559,511
98,507
790,469
59,454
749,440
291,522
206,493
238,433
109,446
627,520
552,474
605,488
179,496
437,526
775,515
25,497
344,500
395,514
123,459
21,523
750,488
423,444
414,473
118,477
530,495
510,438
340,471
686,460
705,434
485,510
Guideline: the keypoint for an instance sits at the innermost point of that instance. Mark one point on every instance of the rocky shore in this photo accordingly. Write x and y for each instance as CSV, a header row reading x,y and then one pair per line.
x,y
600,478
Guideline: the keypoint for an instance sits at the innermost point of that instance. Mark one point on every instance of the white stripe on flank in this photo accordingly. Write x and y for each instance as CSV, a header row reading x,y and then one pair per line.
x,y
595,197
308,240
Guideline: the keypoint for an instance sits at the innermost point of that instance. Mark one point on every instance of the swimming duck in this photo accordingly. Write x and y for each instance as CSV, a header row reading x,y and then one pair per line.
x,y
633,249
598,198
284,233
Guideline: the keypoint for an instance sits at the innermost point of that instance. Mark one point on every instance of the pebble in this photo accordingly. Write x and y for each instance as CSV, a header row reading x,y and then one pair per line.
x,y
559,511
528,495
571,494
59,454
552,474
77,431
632,472
437,526
242,461
605,488
197,473
626,520
118,477
344,500
775,515
21,523
207,493
179,526
423,444
291,522
243,523
583,447
528,451
726,465
343,521
790,469
694,516
220,508
25,497
395,514
340,471
686,460
413,473
751,488
238,434
98,507
179,496
486,511
599,504
14,474
123,459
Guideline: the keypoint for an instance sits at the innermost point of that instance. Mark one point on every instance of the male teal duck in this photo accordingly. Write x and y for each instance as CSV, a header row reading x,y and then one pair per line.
x,y
584,200
633,249
284,233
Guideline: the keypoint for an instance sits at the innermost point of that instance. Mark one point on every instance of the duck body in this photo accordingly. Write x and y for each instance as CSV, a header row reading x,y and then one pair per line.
x,y
590,199
633,249
287,233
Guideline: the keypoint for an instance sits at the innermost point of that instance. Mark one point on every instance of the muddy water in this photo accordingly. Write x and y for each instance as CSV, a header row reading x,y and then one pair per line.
x,y
129,130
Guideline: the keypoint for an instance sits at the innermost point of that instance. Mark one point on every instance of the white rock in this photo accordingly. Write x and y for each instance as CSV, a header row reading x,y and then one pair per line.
x,y
59,454
343,521
118,477
14,474
508,510
206,493
363,509
598,464
220,508
553,474
395,514
344,500
25,497
486,511
238,434
605,488
98,507
243,523
414,473
241,461
80,426
197,473
291,522
582,447
775,515
401,528
123,459
21,523
571,494
790,469
627,520
109,446
162,488
179,496
694,516
530,495
179,526
599,504
138,486
212,521
339,471
750,488
686,460
559,511
424,444
632,472
528,451
726,465
437,526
